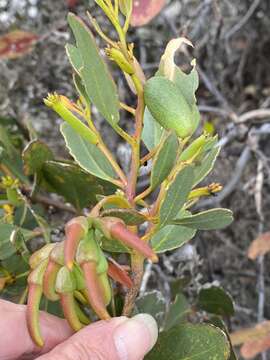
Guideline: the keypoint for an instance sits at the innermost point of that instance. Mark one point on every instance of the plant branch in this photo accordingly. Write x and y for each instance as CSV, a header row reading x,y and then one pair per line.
x,y
135,161
137,272
114,163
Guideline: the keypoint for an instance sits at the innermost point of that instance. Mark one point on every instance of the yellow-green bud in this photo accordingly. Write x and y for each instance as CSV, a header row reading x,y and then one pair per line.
x,y
61,105
65,281
118,57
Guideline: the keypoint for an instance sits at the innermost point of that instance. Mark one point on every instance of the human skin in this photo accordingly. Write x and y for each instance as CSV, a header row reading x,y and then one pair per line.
x,y
117,339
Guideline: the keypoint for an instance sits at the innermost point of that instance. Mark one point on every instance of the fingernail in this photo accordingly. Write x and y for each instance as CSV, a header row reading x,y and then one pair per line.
x,y
135,338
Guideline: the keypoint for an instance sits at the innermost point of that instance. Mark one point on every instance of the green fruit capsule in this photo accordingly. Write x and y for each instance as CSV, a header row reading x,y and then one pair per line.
x,y
168,106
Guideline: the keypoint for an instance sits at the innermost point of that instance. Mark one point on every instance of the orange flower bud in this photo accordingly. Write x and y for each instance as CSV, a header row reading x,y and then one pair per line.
x,y
75,230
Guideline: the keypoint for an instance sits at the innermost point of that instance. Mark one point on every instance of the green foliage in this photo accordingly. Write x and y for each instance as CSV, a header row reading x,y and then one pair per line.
x,y
7,246
207,220
119,218
164,160
176,194
75,185
177,312
215,300
130,217
173,112
35,155
171,237
189,341
87,155
95,75
152,131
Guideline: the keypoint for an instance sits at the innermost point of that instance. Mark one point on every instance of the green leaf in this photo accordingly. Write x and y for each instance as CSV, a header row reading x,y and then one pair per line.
x,y
10,156
113,246
176,195
164,160
81,89
74,57
129,216
152,131
171,237
191,342
15,264
215,300
5,140
177,312
203,168
95,75
125,7
75,185
207,220
218,322
7,248
87,155
34,156
152,303
187,83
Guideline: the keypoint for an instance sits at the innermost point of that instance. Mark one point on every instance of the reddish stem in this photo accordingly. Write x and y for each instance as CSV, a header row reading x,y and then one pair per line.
x,y
135,161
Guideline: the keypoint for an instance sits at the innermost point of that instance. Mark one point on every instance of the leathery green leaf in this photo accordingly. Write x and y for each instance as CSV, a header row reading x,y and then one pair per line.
x,y
177,312
171,237
191,342
207,220
75,58
153,303
129,216
176,195
215,300
74,184
7,248
34,156
87,155
98,83
205,165
164,160
152,131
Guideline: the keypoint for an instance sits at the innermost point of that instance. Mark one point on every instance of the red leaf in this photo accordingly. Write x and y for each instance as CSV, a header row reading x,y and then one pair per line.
x,y
119,274
252,348
259,246
72,3
145,10
16,43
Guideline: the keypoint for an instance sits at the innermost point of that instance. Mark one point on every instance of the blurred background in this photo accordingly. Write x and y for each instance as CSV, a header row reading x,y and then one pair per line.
x,y
232,48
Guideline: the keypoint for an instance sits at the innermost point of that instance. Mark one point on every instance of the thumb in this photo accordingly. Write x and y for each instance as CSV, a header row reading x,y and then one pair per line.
x,y
117,339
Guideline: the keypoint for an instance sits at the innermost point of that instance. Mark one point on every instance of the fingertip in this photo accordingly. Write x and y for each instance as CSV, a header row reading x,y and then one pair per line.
x,y
136,337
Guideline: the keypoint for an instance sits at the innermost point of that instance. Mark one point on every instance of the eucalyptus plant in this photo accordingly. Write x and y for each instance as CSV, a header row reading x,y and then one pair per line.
x,y
113,217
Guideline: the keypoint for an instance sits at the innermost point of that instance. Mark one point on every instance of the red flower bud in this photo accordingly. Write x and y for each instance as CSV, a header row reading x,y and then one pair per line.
x,y
117,273
32,313
94,291
114,228
69,310
75,230
49,280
